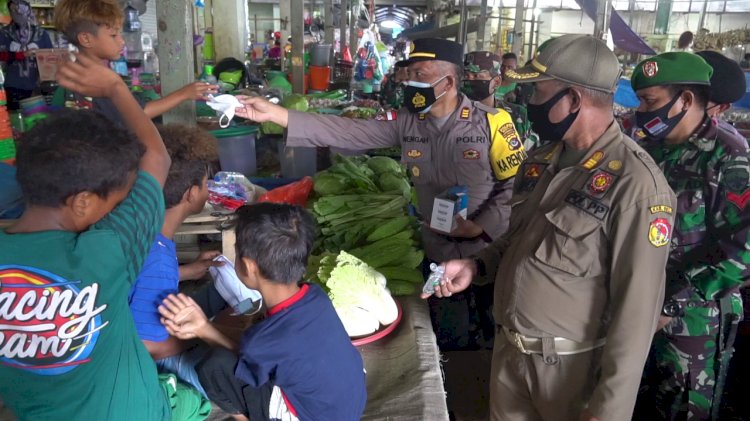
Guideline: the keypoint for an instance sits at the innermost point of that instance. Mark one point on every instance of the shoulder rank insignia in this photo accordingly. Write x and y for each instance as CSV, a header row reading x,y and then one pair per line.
x,y
421,116
593,160
465,113
659,232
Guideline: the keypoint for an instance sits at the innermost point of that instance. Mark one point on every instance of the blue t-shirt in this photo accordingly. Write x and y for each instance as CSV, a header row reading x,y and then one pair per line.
x,y
158,278
302,348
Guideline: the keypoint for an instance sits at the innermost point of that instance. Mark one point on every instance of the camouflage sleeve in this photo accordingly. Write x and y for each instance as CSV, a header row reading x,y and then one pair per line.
x,y
728,219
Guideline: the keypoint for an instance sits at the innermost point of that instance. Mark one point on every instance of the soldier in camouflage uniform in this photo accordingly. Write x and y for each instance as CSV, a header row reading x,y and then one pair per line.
x,y
481,78
708,168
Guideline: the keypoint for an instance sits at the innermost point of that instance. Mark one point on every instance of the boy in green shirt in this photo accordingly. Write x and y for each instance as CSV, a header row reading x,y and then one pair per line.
x,y
94,203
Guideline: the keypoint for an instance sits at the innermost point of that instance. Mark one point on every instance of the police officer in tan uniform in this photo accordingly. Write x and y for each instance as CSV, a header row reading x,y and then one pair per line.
x,y
446,141
579,276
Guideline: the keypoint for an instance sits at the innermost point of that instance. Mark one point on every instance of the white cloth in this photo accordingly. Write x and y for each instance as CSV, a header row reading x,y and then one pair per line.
x,y
226,105
242,299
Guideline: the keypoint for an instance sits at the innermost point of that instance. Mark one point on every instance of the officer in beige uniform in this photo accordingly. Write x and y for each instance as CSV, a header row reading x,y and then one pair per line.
x,y
446,141
579,276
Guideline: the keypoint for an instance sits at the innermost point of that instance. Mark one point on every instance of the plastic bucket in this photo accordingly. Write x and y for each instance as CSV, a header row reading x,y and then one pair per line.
x,y
297,162
319,77
237,149
320,55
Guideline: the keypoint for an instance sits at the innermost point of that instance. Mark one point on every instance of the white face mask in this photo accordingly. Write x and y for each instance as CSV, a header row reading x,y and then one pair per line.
x,y
226,105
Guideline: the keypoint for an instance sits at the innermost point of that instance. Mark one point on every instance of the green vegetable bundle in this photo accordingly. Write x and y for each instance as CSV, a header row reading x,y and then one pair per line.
x,y
362,207
358,292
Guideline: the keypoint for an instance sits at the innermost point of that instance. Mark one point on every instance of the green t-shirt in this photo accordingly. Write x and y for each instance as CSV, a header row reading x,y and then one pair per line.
x,y
68,345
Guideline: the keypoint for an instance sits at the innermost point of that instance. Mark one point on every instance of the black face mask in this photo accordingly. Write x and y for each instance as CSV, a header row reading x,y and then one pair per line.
x,y
476,90
657,123
419,97
538,114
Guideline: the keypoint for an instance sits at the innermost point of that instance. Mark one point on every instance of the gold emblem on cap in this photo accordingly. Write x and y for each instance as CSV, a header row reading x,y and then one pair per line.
x,y
411,48
419,100
538,66
614,165
650,68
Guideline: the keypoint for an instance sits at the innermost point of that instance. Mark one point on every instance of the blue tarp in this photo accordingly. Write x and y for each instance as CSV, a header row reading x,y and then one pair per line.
x,y
624,95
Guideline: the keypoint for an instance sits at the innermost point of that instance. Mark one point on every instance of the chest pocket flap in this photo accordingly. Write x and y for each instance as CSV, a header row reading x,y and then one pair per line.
x,y
572,242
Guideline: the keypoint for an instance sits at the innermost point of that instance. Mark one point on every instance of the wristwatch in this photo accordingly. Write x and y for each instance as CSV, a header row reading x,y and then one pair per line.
x,y
672,309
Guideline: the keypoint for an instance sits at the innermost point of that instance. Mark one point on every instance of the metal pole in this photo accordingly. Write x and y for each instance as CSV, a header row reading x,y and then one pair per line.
x,y
353,29
518,28
481,23
342,28
631,11
601,25
298,45
531,32
328,6
702,17
462,24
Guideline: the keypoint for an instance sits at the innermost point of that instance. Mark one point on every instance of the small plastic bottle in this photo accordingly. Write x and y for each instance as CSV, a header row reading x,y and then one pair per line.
x,y
436,275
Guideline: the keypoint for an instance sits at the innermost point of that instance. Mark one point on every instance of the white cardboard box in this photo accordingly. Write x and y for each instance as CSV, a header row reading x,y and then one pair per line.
x,y
447,205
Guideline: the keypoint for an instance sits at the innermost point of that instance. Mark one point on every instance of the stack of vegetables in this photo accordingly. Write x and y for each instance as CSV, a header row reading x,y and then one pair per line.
x,y
358,293
362,208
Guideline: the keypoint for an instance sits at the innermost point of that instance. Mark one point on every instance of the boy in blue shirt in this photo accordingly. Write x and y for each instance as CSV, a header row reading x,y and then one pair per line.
x,y
298,363
94,203
185,193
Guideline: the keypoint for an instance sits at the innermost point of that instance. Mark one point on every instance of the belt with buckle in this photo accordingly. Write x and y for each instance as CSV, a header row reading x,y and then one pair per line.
x,y
528,345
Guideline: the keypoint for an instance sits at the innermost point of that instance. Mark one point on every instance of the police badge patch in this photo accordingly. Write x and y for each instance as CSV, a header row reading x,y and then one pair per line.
x,y
471,154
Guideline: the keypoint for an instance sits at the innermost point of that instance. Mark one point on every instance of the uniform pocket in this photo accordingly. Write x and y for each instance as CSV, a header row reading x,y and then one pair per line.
x,y
418,160
471,163
572,242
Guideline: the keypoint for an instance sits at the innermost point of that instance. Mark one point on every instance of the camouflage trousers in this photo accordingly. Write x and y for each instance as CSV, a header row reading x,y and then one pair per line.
x,y
679,378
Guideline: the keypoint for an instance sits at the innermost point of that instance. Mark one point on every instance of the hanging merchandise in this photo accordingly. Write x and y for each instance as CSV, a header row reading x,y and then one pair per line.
x,y
367,69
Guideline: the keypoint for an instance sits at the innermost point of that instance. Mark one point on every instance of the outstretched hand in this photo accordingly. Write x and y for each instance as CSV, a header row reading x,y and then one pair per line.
x,y
261,110
88,77
197,90
457,277
182,317
199,268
